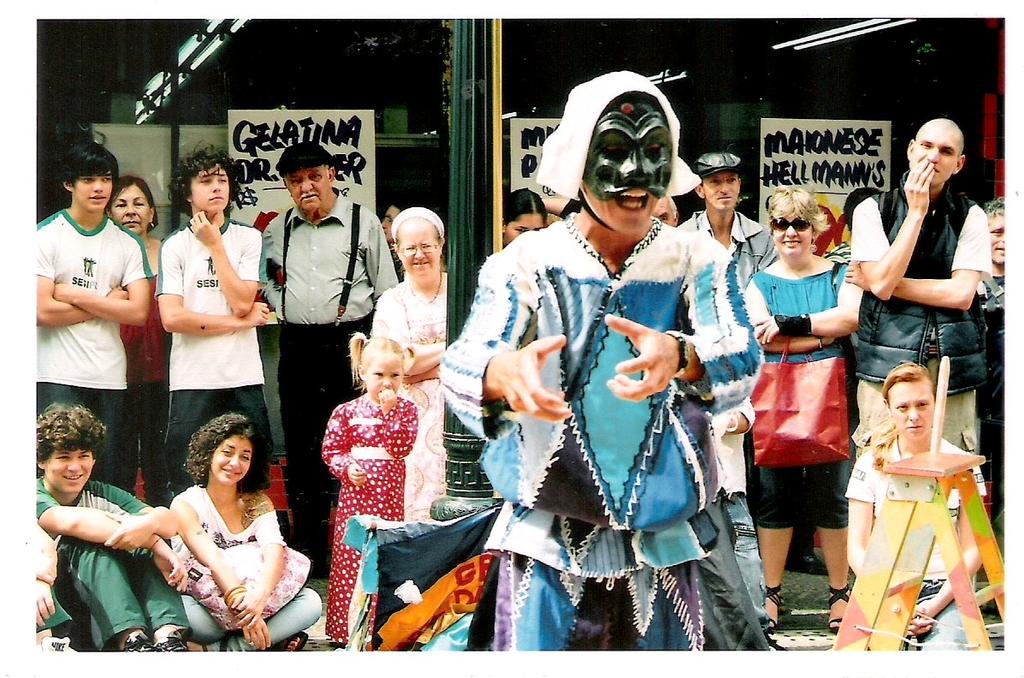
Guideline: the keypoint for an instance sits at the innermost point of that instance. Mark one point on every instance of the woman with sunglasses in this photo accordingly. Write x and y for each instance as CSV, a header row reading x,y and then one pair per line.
x,y
801,305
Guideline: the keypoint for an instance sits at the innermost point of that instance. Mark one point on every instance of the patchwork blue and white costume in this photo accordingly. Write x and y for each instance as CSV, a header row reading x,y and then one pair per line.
x,y
615,493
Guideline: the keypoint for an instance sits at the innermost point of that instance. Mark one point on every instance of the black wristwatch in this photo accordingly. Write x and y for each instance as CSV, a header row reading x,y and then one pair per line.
x,y
681,342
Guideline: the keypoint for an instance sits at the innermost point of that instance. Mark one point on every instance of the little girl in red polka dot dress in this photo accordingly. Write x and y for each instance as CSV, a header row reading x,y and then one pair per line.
x,y
365,446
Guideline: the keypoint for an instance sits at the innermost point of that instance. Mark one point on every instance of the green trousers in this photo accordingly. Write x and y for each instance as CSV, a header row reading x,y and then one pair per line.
x,y
123,590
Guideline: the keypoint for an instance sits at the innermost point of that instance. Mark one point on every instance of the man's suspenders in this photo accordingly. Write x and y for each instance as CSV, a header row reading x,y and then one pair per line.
x,y
346,288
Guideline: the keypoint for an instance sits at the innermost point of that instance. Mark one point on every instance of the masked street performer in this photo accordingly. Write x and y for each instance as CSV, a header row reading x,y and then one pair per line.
x,y
592,355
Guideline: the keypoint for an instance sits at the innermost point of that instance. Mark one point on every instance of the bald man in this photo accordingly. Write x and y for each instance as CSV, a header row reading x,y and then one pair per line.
x,y
666,212
922,251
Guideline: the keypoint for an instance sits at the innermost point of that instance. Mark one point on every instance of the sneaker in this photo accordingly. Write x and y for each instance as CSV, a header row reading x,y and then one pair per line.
x,y
51,644
139,643
173,643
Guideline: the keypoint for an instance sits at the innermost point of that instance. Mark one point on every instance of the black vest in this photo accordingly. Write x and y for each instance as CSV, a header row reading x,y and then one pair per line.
x,y
895,330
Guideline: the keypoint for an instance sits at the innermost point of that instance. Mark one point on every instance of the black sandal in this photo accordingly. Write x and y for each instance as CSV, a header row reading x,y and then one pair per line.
x,y
836,595
774,595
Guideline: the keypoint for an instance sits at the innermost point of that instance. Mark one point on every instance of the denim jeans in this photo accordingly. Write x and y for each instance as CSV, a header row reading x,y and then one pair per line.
x,y
747,555
298,615
947,632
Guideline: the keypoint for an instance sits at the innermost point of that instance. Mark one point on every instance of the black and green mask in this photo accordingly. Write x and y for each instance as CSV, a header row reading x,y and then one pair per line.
x,y
631,148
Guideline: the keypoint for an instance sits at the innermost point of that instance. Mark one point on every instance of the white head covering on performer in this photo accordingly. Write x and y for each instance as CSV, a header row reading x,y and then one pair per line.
x,y
565,151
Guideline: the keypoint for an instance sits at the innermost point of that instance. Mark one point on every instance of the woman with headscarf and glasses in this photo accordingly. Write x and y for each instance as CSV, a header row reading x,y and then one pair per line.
x,y
414,314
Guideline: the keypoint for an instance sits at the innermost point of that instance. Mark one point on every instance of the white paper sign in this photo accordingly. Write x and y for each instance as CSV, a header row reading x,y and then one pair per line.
x,y
526,138
257,138
828,157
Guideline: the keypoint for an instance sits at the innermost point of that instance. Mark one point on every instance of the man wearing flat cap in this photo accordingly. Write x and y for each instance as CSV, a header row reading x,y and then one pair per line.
x,y
749,243
592,355
327,264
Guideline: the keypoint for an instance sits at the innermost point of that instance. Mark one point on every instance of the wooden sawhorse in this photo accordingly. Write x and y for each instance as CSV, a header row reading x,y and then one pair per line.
x,y
915,518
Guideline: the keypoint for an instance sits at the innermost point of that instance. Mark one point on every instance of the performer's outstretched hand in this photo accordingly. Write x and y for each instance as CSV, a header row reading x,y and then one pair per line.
x,y
515,377
658,360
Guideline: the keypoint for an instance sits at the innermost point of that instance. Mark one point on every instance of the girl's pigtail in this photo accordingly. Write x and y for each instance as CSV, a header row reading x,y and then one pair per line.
x,y
356,345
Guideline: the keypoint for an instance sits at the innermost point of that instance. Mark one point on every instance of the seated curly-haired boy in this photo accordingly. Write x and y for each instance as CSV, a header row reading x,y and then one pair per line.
x,y
110,543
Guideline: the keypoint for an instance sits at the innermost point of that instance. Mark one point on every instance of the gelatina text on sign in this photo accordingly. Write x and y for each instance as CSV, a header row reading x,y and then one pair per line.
x,y
257,139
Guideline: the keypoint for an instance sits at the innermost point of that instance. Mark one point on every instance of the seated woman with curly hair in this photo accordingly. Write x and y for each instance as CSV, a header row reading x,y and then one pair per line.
x,y
244,584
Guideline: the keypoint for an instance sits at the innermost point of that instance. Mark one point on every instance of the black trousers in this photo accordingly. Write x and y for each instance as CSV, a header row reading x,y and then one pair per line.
x,y
145,432
116,462
191,408
314,376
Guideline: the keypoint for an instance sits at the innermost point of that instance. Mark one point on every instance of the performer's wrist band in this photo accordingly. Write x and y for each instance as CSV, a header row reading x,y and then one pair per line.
x,y
495,408
684,356
794,325
820,345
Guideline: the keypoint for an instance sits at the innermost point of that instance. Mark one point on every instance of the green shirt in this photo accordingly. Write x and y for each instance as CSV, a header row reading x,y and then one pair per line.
x,y
95,495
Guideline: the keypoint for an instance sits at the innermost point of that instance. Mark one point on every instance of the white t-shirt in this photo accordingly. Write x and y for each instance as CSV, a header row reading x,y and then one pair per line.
x,y
870,485
732,470
973,248
186,270
88,354
264,530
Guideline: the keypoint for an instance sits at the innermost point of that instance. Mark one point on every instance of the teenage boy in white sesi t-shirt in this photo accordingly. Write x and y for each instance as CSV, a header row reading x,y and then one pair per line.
x,y
91,276
207,295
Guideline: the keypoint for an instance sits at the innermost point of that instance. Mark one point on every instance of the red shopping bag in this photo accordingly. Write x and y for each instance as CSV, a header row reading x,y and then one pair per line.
x,y
801,413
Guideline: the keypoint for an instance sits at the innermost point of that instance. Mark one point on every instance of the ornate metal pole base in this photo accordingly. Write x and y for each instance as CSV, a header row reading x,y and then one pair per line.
x,y
467,488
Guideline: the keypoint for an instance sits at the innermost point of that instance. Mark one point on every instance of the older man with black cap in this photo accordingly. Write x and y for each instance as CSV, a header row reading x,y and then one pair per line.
x,y
605,477
749,243
327,264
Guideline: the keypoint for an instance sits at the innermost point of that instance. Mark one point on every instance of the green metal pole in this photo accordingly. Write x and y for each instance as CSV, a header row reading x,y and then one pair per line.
x,y
470,240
